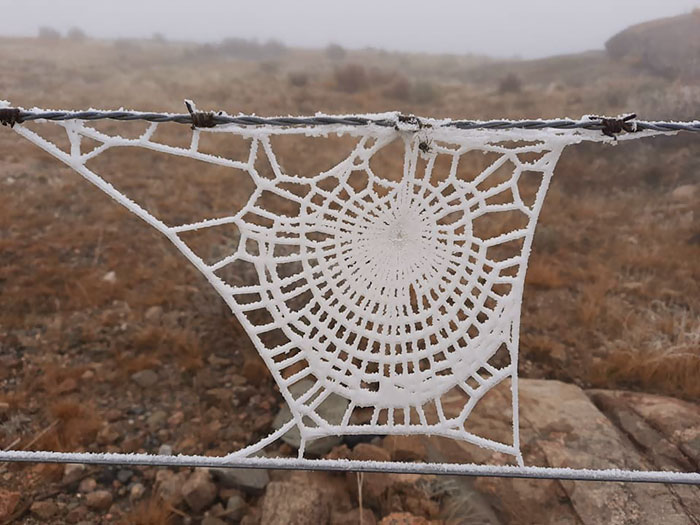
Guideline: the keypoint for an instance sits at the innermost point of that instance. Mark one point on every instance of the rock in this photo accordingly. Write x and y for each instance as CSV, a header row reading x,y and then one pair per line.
x,y
294,504
332,410
66,386
252,518
198,491
44,510
176,419
77,514
236,508
72,472
8,503
169,485
136,492
666,46
685,193
99,500
352,517
154,314
107,435
156,420
124,475
403,518
110,277
405,448
165,450
145,378
374,485
249,480
87,485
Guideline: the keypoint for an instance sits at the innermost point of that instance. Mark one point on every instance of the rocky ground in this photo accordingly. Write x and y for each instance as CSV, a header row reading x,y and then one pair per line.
x,y
561,426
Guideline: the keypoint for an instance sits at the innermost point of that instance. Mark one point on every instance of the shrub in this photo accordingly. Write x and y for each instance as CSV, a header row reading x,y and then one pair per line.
x,y
298,78
424,92
351,78
400,89
76,34
335,52
48,33
511,83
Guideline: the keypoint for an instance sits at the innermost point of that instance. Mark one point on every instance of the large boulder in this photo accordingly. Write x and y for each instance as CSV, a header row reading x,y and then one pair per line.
x,y
668,46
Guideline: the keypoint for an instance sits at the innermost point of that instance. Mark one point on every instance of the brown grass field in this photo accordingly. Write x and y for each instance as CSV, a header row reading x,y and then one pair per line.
x,y
612,297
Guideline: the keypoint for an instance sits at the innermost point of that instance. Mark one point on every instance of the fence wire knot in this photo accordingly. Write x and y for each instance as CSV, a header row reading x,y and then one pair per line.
x,y
10,117
612,126
200,119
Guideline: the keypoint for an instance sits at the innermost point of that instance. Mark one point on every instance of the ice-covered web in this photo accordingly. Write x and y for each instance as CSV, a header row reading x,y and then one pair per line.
x,y
387,291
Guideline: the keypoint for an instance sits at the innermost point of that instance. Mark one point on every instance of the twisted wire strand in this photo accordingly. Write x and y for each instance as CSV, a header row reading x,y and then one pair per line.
x,y
18,115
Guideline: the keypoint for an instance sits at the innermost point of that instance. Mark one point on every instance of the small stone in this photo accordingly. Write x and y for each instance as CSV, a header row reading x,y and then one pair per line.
x,y
176,419
297,503
136,492
198,491
248,480
145,378
8,503
72,472
87,375
87,485
124,475
107,435
44,509
165,450
77,514
169,486
99,500
156,420
236,508
110,277
238,380
113,414
154,314
684,193
66,386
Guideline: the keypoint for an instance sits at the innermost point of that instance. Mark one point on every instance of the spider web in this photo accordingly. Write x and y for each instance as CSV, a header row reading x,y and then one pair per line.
x,y
387,291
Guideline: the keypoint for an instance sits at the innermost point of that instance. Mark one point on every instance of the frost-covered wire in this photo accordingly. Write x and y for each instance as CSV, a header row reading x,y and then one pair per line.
x,y
344,465
11,116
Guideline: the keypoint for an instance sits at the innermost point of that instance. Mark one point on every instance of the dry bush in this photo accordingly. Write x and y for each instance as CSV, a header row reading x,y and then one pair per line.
x,y
298,78
335,52
76,34
49,33
153,511
78,424
351,78
400,89
510,83
659,351
424,92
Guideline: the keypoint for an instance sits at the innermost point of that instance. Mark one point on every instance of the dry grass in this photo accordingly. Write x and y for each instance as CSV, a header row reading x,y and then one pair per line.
x,y
152,511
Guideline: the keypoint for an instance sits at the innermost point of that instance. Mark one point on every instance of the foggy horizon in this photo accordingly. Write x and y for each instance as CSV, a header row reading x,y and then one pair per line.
x,y
501,29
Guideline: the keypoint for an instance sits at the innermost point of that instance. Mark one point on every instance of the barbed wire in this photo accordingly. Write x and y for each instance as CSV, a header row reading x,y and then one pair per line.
x,y
199,119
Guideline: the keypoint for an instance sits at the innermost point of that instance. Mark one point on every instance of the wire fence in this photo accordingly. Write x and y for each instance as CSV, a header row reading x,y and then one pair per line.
x,y
608,125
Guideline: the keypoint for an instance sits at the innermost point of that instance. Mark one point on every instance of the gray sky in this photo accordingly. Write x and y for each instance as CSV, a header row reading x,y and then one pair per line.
x,y
507,28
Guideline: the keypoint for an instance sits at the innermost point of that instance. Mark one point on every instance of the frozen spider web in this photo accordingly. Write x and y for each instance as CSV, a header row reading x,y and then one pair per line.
x,y
388,291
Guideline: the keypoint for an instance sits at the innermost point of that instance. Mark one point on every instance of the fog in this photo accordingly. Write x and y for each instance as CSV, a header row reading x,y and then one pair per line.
x,y
504,28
